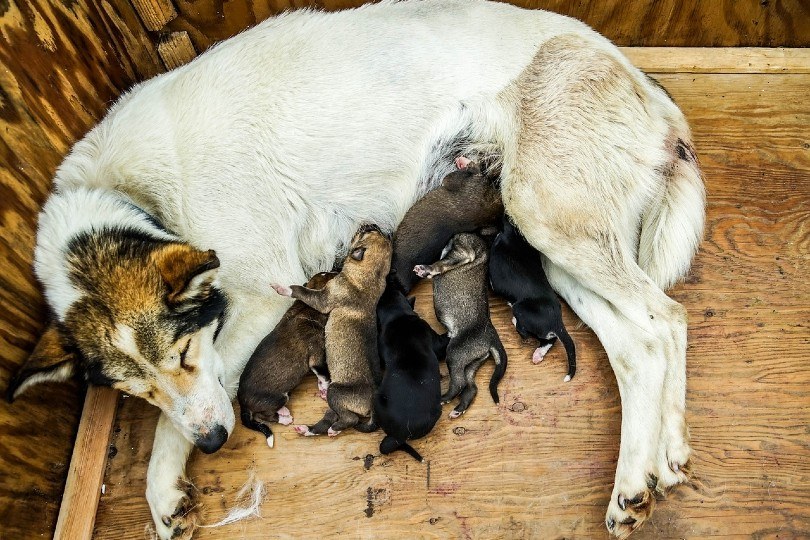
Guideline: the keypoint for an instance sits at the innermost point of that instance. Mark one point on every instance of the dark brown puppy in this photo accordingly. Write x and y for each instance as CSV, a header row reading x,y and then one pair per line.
x,y
466,200
460,298
350,299
294,348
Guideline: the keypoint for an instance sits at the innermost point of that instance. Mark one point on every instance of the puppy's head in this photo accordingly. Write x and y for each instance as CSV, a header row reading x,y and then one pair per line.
x,y
369,254
528,319
143,318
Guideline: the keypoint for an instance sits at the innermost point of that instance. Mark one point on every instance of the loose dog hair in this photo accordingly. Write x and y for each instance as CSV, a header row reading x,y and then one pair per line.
x,y
273,160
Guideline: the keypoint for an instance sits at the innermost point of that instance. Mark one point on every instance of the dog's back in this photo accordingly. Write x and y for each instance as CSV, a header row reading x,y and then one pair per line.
x,y
466,200
407,403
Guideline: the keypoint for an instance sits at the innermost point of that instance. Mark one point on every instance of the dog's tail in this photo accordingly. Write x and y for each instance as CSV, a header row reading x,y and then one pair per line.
x,y
249,422
391,444
672,227
570,351
499,355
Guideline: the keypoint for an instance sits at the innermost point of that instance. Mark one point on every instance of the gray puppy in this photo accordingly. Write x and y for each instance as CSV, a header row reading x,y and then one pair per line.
x,y
461,303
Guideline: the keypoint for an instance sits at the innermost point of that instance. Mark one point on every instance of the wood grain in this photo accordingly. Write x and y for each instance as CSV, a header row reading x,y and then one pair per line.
x,y
77,513
176,49
726,60
663,23
62,64
540,464
155,14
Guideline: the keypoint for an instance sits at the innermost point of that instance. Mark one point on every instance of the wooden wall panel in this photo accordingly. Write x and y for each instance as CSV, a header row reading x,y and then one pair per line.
x,y
62,64
673,23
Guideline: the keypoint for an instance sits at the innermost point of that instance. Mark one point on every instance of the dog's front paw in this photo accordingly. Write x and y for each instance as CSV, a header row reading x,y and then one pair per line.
x,y
282,290
304,430
673,462
174,512
285,416
422,271
625,514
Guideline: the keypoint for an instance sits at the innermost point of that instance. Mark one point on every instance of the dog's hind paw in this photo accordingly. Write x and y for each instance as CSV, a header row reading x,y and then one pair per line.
x,y
625,515
455,414
332,433
540,353
423,271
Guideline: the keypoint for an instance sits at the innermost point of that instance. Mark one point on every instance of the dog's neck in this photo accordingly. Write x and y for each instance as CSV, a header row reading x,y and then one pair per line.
x,y
73,212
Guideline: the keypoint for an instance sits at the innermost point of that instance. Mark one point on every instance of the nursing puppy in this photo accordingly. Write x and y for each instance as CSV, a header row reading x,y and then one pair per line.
x,y
350,299
408,402
466,200
460,299
294,348
516,273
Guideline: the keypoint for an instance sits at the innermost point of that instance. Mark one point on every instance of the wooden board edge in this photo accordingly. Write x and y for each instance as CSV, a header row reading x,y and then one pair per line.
x,y
77,513
719,59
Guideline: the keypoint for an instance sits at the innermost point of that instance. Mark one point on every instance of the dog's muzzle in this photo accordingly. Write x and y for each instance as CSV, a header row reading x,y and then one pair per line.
x,y
213,441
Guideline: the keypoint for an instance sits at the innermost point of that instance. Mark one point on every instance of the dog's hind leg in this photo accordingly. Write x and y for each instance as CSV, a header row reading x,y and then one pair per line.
x,y
317,299
470,388
249,422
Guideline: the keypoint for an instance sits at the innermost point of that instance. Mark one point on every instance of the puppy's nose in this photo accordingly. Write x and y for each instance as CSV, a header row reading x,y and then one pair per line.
x,y
213,441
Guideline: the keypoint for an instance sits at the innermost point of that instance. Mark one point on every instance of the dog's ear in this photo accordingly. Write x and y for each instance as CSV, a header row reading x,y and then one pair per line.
x,y
51,360
188,272
412,301
455,180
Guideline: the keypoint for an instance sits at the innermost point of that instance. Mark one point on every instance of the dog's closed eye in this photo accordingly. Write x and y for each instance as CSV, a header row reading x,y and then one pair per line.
x,y
358,254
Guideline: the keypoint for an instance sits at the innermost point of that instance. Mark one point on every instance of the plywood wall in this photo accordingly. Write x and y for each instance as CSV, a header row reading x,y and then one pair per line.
x,y
675,23
61,63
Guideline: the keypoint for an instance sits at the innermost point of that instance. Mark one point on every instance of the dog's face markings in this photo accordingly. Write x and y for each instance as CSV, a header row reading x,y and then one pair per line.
x,y
144,323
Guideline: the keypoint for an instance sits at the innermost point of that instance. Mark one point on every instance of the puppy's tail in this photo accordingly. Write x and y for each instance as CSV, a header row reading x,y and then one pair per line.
x,y
499,355
249,422
390,444
570,351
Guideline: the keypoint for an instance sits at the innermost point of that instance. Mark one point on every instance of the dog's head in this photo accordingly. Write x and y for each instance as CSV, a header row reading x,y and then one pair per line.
x,y
141,316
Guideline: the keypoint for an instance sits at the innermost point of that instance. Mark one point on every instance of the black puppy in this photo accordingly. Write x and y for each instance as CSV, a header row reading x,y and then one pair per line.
x,y
407,403
516,273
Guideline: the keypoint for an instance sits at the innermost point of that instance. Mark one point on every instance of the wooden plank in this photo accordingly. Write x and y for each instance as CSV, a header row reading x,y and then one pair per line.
x,y
663,23
155,14
77,514
725,60
541,464
176,50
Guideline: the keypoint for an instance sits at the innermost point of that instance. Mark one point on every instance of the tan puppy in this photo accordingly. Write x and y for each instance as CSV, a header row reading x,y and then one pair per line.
x,y
350,299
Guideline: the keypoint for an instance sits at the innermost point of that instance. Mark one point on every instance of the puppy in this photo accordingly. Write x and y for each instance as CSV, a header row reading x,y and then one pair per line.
x,y
460,299
465,201
282,359
350,299
516,273
408,402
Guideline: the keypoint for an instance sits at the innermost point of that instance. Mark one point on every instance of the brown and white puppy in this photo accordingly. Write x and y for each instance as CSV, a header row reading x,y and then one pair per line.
x,y
461,302
294,348
466,200
350,299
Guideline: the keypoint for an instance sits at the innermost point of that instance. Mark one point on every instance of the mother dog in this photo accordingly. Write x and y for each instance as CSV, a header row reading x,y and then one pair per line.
x,y
255,164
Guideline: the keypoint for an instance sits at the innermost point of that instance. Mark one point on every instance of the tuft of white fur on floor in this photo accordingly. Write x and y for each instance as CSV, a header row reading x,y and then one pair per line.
x,y
250,496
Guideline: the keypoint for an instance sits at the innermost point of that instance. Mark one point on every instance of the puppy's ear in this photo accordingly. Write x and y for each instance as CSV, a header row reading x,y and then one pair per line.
x,y
51,360
455,180
187,272
412,301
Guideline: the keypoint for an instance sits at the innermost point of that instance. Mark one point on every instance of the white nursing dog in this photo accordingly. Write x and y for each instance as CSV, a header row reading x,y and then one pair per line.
x,y
255,164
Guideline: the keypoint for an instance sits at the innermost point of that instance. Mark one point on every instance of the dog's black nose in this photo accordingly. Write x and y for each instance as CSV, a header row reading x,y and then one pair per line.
x,y
213,441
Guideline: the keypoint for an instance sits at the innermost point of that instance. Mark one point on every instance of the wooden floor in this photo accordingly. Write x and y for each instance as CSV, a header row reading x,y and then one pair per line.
x,y
540,465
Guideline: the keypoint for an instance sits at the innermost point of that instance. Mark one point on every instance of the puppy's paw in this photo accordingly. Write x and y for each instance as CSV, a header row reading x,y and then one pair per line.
x,y
175,513
455,414
423,271
673,464
462,162
626,514
282,290
285,416
303,430
540,353
332,433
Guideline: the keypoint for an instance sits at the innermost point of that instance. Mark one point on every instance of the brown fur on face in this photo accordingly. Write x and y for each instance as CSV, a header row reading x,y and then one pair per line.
x,y
143,323
294,347
351,331
467,199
